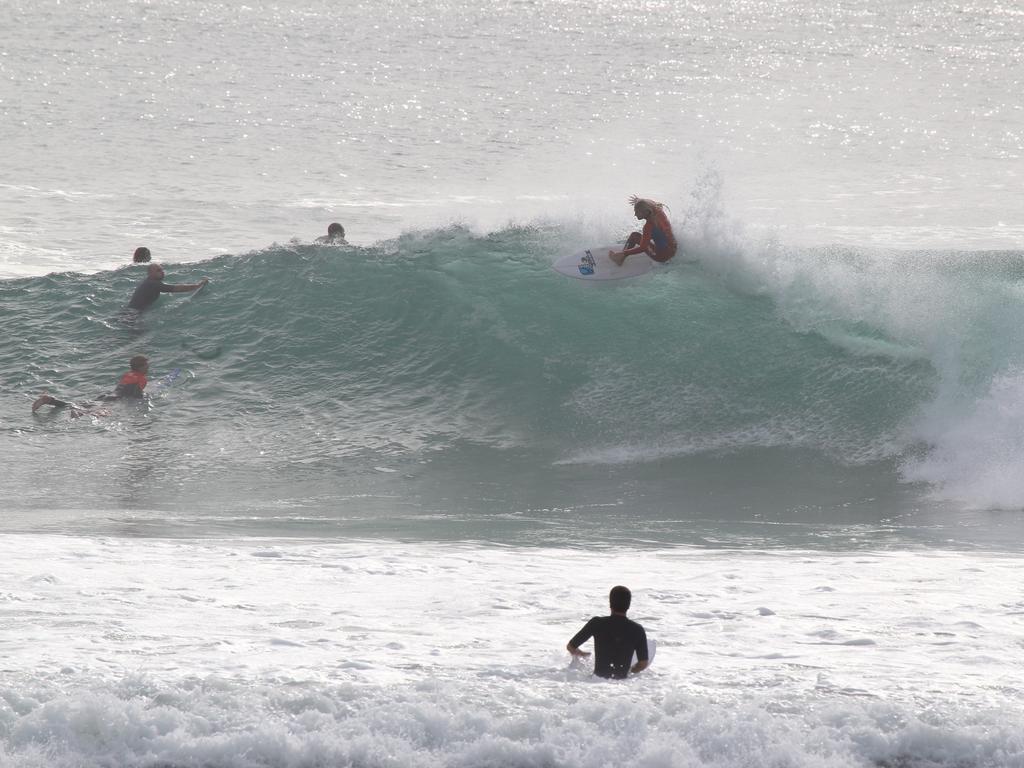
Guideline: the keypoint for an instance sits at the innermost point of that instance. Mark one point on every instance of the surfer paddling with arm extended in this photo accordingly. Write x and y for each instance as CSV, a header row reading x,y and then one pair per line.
x,y
615,639
656,240
149,290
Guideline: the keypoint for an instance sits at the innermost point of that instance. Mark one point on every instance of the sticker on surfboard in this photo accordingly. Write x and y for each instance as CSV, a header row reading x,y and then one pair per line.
x,y
594,264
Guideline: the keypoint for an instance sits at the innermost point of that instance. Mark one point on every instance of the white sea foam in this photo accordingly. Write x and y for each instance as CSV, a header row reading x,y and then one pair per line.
x,y
977,450
143,652
955,311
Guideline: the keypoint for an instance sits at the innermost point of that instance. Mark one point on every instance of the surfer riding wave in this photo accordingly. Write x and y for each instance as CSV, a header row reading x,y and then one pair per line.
x,y
657,239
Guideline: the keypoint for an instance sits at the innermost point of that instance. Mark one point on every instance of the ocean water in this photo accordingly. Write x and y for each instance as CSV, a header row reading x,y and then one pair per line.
x,y
394,477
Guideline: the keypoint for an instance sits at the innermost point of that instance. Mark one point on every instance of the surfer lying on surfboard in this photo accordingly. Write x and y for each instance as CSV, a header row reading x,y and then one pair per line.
x,y
129,387
657,239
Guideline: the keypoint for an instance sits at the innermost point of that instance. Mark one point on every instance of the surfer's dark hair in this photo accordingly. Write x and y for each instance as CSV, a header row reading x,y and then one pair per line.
x,y
619,599
336,229
138,362
141,255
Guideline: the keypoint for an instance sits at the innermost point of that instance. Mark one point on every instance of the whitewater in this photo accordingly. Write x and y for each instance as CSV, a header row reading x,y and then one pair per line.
x,y
392,478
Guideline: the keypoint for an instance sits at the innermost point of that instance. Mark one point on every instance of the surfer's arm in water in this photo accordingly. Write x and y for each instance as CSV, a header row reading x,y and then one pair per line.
x,y
640,649
579,639
576,651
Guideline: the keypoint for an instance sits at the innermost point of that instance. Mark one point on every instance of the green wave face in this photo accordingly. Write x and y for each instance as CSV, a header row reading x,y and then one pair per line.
x,y
455,356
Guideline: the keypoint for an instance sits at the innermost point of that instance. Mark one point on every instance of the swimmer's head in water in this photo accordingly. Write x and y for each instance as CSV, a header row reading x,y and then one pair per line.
x,y
619,599
139,363
335,230
141,255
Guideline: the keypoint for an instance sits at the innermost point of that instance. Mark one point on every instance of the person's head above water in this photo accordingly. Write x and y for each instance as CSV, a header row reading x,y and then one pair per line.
x,y
139,363
141,255
335,230
644,206
619,599
156,272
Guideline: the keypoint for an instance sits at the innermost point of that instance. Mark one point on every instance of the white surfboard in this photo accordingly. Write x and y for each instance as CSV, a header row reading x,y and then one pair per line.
x,y
594,264
652,646
165,382
197,291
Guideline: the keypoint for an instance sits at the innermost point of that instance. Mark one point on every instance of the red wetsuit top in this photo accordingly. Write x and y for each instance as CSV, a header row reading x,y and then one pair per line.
x,y
657,240
131,384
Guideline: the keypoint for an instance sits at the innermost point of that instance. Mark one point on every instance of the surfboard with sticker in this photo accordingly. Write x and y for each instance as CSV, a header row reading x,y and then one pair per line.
x,y
594,264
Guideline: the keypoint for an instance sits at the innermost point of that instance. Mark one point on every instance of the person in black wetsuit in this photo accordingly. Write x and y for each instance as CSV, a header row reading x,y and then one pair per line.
x,y
615,639
149,290
129,387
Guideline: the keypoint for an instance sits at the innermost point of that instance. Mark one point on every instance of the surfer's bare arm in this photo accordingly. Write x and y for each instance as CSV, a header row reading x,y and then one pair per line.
x,y
576,651
187,288
640,666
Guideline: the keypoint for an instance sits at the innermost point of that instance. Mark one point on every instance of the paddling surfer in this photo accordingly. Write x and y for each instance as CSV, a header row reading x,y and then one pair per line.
x,y
149,290
129,387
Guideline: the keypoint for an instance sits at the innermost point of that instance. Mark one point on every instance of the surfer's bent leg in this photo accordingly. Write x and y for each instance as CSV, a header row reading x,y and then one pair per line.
x,y
631,242
45,399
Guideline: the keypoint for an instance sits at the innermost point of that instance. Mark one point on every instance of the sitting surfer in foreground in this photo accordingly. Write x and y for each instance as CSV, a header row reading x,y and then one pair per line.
x,y
615,639
129,387
657,239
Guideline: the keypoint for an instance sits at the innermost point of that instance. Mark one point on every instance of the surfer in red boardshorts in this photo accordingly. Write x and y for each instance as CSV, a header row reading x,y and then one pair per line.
x,y
657,239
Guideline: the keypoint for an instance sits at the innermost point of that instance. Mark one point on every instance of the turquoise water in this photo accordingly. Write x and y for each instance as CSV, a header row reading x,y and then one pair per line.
x,y
444,375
